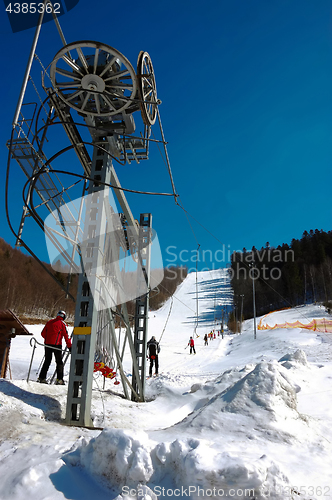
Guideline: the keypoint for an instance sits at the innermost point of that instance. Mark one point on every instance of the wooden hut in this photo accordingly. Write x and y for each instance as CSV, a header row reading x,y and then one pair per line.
x,y
10,326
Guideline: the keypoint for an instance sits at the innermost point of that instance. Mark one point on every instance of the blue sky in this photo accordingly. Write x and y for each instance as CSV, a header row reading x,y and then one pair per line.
x,y
246,110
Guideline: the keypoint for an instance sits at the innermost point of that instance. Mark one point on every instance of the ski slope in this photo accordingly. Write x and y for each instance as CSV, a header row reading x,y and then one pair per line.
x,y
243,418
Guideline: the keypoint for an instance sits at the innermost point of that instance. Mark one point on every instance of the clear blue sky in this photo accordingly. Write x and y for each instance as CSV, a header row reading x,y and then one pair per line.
x,y
246,90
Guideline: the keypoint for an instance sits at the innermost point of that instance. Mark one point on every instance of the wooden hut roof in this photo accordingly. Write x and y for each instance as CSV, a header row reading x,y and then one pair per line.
x,y
9,320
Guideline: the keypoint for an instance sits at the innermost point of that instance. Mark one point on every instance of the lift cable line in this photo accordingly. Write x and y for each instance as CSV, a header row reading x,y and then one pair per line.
x,y
196,325
186,213
168,316
166,155
33,179
202,225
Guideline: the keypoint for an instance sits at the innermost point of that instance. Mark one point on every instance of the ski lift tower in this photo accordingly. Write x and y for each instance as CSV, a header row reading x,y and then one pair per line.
x,y
93,82
100,84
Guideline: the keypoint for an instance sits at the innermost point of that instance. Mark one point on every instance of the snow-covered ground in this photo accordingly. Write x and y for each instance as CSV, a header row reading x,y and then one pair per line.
x,y
244,418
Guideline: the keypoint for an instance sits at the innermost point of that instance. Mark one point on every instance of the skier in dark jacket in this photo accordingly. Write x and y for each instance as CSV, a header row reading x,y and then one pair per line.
x,y
153,351
53,332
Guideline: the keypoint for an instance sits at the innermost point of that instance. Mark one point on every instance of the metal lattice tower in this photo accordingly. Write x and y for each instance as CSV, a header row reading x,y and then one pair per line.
x,y
88,297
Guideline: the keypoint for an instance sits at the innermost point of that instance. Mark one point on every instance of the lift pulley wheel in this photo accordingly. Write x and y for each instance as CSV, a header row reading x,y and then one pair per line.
x,y
147,89
93,78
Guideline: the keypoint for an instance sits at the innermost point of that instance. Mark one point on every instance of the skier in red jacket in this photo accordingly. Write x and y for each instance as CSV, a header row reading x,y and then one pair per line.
x,y
192,345
53,332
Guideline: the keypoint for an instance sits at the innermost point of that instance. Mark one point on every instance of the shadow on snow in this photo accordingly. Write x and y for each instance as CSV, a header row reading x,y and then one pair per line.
x,y
50,406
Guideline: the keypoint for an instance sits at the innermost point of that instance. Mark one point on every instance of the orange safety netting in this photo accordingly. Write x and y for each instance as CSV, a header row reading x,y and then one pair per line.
x,y
319,325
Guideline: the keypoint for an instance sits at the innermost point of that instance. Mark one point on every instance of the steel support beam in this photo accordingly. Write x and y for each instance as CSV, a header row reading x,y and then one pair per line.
x,y
88,296
142,305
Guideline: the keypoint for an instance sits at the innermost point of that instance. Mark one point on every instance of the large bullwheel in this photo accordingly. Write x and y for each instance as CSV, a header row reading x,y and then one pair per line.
x,y
100,81
147,89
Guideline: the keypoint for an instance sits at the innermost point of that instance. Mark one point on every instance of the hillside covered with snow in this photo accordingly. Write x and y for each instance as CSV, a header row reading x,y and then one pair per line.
x,y
243,418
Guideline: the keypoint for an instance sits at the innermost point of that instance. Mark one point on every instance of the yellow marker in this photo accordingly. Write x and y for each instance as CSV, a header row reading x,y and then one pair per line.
x,y
82,330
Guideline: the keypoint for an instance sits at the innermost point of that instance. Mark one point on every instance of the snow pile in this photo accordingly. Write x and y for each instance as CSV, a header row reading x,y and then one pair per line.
x,y
292,360
264,394
132,465
225,380
120,457
266,388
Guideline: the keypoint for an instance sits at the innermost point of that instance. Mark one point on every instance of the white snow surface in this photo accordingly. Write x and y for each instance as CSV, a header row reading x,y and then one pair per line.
x,y
244,418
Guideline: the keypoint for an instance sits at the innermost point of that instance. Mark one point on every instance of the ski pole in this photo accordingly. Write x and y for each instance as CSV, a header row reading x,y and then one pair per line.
x,y
65,357
40,365
33,352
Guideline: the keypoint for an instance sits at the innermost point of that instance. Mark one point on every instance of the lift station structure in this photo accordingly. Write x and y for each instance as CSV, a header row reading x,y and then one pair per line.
x,y
94,94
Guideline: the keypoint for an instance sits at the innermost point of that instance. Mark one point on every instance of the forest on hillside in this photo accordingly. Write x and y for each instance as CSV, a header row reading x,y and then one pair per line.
x,y
284,276
31,293
28,290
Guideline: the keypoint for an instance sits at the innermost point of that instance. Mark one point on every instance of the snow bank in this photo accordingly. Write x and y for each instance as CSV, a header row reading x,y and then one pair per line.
x,y
137,467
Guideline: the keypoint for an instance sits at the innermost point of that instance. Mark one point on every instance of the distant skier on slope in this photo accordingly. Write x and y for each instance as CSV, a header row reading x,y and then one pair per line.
x,y
206,339
191,343
153,351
